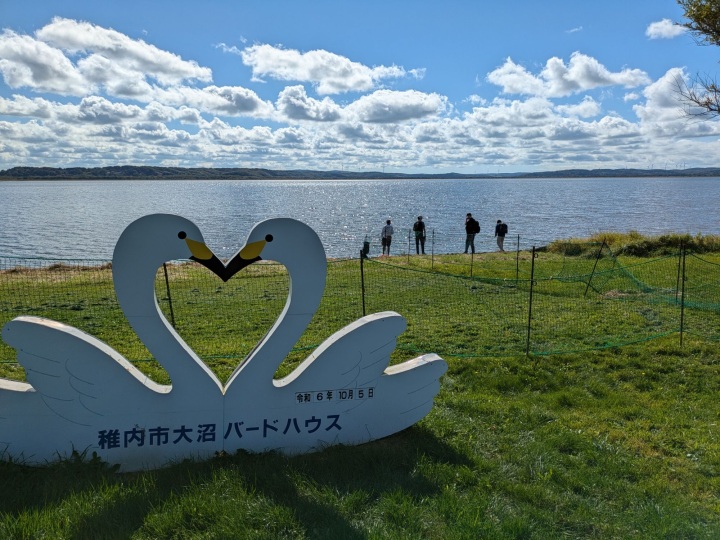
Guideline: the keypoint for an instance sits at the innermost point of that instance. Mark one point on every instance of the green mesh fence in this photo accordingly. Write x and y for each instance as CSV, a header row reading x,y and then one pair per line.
x,y
490,304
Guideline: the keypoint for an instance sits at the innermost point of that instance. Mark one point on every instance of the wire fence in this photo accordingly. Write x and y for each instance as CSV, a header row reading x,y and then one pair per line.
x,y
498,304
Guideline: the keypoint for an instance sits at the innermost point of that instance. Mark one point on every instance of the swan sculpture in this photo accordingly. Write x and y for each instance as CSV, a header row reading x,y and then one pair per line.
x,y
344,392
83,395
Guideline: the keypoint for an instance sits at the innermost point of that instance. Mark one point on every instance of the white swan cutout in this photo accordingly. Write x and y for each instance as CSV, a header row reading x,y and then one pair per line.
x,y
82,395
344,392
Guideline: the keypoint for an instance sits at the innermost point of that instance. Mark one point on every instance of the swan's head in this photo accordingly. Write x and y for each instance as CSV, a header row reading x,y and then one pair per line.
x,y
283,240
158,238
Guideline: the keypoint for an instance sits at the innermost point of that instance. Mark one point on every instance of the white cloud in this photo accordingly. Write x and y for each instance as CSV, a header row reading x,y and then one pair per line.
x,y
476,100
558,79
587,108
97,110
386,106
328,72
23,106
222,100
513,114
84,38
28,63
515,79
16,135
294,103
662,110
664,29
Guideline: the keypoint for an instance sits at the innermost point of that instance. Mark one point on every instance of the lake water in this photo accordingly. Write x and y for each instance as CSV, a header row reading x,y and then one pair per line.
x,y
83,219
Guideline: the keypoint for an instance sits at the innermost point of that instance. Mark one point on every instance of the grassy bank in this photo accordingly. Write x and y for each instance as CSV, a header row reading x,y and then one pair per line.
x,y
614,443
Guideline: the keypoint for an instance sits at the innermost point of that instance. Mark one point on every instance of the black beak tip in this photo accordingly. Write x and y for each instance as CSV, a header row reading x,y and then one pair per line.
x,y
225,271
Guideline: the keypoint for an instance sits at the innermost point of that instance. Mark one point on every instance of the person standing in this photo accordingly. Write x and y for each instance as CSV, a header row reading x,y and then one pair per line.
x,y
419,230
501,230
472,227
386,237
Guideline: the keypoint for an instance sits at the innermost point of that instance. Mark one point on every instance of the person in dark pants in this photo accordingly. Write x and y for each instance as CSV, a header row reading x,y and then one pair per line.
x,y
386,237
419,230
472,227
501,230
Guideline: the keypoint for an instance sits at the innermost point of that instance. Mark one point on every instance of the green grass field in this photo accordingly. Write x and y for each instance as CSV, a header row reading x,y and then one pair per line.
x,y
582,438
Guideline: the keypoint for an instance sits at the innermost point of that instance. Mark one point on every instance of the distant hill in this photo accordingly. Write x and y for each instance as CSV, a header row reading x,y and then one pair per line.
x,y
129,172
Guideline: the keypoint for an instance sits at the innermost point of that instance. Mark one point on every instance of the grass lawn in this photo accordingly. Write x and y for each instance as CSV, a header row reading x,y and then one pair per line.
x,y
620,442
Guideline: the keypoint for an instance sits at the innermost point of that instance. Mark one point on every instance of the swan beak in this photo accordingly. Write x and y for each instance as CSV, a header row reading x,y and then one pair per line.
x,y
204,255
252,251
245,257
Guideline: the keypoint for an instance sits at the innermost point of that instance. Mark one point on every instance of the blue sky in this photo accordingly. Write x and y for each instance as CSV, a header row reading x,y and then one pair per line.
x,y
414,87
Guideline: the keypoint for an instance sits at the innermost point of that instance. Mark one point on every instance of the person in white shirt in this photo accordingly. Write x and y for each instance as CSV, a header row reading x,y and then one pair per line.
x,y
386,237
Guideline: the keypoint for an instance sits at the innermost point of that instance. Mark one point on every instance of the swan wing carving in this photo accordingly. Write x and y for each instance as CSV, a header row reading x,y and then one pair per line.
x,y
77,376
357,357
352,357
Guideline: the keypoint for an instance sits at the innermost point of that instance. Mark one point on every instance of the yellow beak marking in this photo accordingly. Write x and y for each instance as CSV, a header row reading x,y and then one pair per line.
x,y
199,249
252,250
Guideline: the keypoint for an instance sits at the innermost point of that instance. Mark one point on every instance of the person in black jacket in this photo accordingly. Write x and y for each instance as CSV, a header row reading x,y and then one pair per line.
x,y
501,230
472,227
419,230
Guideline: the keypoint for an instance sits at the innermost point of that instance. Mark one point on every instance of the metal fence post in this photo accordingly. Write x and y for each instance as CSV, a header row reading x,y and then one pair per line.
x,y
517,261
167,288
362,281
408,251
594,267
530,301
432,251
679,269
682,296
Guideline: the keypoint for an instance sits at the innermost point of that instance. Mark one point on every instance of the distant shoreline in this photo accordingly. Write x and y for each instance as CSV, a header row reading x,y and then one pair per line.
x,y
180,173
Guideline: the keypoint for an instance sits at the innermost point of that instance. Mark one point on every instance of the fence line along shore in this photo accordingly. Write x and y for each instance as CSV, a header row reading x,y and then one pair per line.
x,y
483,305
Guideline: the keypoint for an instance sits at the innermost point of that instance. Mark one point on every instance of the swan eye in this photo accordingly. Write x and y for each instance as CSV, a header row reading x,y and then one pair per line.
x,y
182,235
268,237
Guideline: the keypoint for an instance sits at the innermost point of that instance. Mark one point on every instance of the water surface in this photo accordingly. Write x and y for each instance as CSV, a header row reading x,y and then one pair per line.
x,y
83,219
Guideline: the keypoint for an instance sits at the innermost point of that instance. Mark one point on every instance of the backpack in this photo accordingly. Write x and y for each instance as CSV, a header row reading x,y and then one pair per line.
x,y
503,228
475,226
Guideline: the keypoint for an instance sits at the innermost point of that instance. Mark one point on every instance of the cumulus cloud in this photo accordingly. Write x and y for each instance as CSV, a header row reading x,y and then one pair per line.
x,y
328,72
294,103
223,100
661,104
98,110
587,108
558,79
23,106
664,29
387,106
79,37
513,114
28,63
